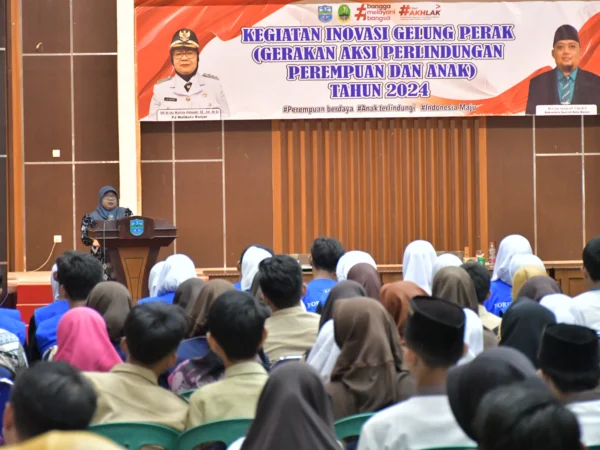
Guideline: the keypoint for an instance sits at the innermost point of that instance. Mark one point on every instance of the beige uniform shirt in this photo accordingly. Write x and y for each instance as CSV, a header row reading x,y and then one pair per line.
x,y
291,332
130,393
234,397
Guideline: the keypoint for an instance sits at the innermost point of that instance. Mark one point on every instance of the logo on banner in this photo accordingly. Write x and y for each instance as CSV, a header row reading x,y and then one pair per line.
x,y
422,11
325,13
344,13
136,227
377,12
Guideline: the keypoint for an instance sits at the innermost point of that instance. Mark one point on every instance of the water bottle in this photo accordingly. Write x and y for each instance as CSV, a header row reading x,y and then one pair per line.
x,y
492,255
480,256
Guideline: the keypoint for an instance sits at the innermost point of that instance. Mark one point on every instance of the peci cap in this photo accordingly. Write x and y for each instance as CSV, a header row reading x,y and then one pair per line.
x,y
569,349
565,33
435,327
185,38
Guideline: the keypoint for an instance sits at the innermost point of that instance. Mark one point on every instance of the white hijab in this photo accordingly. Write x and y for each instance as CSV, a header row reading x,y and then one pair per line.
x,y
252,258
54,283
560,305
445,260
520,261
176,270
325,352
473,336
417,264
512,245
349,260
153,278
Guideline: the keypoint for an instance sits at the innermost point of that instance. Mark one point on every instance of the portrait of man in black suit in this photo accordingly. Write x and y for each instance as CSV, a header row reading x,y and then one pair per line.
x,y
567,84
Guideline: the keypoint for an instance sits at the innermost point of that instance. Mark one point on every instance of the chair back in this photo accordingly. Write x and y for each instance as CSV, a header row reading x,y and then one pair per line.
x,y
285,359
187,394
351,426
135,435
5,387
453,448
226,431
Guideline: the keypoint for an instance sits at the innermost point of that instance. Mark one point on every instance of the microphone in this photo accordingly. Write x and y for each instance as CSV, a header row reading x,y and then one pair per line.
x,y
111,217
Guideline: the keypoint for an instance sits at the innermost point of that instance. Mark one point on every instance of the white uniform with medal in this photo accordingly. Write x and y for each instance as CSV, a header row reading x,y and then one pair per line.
x,y
204,91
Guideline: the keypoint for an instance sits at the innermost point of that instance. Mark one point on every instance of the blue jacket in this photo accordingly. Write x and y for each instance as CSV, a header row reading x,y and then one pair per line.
x,y
167,298
500,299
10,320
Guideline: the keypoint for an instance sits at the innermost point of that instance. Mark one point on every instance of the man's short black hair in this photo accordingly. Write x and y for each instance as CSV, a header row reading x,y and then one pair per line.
x,y
257,246
51,396
568,383
237,321
154,330
326,252
281,281
591,258
79,273
481,279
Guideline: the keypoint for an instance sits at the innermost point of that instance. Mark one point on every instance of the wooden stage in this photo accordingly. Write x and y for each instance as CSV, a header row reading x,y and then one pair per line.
x,y
30,290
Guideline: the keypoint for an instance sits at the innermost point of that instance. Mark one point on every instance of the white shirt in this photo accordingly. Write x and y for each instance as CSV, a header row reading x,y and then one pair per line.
x,y
325,352
588,415
420,422
585,308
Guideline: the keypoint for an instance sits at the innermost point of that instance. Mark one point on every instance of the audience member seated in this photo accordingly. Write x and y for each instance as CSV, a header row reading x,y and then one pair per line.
x,y
443,261
48,396
525,416
10,319
324,354
291,330
368,375
586,306
521,276
468,384
154,277
77,274
196,363
12,355
417,264
177,269
523,325
501,286
560,305
130,391
248,264
368,277
293,411
455,285
75,440
434,343
324,256
520,261
236,332
84,343
536,288
188,291
349,260
570,365
395,297
113,302
481,280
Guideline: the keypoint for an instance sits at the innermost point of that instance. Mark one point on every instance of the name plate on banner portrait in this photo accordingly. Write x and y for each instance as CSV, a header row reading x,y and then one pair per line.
x,y
566,110
183,115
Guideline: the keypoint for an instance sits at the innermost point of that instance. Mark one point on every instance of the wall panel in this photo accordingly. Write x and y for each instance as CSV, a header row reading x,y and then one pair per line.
x,y
378,184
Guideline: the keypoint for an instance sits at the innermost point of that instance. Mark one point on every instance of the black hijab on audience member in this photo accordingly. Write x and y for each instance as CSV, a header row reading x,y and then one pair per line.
x,y
536,288
468,384
344,289
368,277
188,291
293,411
522,327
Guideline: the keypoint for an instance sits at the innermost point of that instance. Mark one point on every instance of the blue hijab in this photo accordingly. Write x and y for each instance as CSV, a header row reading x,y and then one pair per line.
x,y
101,213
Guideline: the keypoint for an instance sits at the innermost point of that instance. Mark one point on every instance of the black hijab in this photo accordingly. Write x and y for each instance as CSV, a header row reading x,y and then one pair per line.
x,y
293,411
188,291
468,384
523,325
536,288
344,289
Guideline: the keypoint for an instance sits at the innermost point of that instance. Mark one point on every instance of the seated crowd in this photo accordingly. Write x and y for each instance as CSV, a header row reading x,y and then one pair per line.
x,y
449,357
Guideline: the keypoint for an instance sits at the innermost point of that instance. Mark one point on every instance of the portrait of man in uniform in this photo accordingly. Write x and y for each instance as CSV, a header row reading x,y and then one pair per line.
x,y
567,84
188,88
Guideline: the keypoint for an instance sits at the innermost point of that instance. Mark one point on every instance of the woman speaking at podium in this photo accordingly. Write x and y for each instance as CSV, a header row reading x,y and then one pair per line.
x,y
108,209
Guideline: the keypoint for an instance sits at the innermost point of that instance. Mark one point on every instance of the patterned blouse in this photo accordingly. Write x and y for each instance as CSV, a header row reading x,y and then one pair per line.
x,y
86,223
